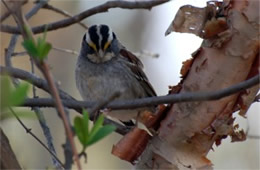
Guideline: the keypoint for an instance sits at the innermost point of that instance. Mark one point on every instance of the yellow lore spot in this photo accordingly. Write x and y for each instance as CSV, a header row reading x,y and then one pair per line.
x,y
91,44
106,45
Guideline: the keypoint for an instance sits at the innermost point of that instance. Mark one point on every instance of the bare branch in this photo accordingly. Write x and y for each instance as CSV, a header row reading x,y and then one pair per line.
x,y
151,101
8,13
60,110
42,84
34,136
79,17
130,104
24,53
10,49
63,12
31,78
70,102
66,50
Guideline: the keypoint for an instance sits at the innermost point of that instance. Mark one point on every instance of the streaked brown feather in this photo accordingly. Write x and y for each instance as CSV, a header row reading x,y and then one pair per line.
x,y
136,67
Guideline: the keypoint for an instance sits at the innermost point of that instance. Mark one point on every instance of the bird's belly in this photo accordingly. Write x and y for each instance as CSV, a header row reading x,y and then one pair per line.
x,y
96,88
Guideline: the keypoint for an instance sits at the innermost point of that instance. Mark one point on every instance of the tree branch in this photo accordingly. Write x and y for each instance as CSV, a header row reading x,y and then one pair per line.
x,y
72,103
42,84
8,13
24,53
79,17
62,12
31,78
151,101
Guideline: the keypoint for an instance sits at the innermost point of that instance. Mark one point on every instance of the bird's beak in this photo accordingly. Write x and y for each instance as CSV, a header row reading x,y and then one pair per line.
x,y
101,53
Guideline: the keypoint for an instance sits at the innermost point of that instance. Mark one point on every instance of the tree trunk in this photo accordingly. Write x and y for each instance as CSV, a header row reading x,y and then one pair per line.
x,y
8,158
190,129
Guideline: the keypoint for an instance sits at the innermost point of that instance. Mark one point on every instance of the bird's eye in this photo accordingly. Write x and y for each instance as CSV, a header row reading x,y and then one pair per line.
x,y
91,50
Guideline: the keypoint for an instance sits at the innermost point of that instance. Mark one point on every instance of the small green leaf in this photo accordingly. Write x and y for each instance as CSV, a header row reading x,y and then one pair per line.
x,y
79,129
40,49
101,133
86,121
30,47
97,125
12,96
45,50
18,95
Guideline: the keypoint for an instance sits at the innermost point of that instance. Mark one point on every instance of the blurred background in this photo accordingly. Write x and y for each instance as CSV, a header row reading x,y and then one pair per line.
x,y
138,30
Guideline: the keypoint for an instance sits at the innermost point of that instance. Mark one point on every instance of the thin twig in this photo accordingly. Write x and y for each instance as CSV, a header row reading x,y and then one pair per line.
x,y
79,17
8,53
34,136
11,47
68,152
17,54
66,50
43,124
24,53
60,109
8,13
146,54
63,12
31,78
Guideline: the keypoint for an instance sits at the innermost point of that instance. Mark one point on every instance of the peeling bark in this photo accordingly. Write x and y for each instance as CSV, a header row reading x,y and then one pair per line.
x,y
227,57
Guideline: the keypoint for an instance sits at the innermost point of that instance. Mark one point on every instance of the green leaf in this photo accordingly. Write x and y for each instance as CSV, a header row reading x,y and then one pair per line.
x,y
86,121
101,133
97,125
40,49
82,129
30,47
79,126
18,95
45,50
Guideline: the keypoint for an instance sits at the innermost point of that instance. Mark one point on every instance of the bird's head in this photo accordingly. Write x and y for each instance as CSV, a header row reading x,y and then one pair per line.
x,y
100,44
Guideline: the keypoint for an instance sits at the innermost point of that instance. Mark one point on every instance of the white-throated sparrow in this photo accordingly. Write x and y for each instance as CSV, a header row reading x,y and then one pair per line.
x,y
104,66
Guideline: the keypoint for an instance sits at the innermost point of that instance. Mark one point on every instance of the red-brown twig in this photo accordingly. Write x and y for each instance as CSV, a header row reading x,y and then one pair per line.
x,y
60,110
22,23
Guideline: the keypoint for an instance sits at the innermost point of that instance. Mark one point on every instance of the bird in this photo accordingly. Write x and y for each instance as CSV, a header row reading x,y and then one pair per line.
x,y
104,66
